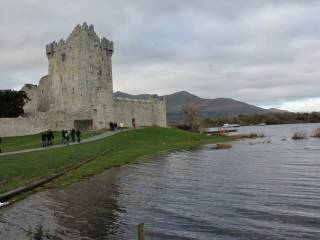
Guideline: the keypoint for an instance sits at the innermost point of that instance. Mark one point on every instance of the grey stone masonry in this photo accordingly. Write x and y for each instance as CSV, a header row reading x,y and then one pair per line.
x,y
78,90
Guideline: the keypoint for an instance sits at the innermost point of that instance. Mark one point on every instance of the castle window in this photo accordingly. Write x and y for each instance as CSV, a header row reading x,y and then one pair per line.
x,y
90,68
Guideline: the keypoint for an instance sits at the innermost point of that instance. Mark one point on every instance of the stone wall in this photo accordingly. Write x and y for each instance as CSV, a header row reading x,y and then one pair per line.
x,y
44,94
146,112
21,126
80,71
30,108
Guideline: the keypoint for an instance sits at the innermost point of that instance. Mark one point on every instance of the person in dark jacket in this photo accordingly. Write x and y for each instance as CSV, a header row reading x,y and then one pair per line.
x,y
78,134
115,125
64,134
67,136
111,126
72,134
133,121
44,139
50,137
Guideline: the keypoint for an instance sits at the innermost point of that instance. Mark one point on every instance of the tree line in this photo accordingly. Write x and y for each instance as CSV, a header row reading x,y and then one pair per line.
x,y
269,119
193,120
12,103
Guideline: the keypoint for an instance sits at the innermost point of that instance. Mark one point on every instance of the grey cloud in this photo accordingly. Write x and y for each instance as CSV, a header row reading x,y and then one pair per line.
x,y
257,51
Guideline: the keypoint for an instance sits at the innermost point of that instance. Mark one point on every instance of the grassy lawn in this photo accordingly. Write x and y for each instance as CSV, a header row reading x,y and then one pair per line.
x,y
10,144
126,147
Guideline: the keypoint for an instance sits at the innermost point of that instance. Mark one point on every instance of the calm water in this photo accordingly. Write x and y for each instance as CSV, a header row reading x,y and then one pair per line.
x,y
260,189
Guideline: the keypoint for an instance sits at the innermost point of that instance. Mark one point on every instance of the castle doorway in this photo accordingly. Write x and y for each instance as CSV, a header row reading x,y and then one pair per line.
x,y
86,124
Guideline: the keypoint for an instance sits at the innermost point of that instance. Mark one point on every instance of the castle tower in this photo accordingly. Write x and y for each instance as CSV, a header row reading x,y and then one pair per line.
x,y
80,72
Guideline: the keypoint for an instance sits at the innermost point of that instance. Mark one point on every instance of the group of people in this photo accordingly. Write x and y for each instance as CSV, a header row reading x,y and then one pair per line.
x,y
47,138
113,126
73,134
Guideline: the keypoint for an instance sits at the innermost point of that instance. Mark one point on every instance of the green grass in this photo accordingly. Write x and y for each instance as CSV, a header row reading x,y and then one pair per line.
x,y
126,147
10,144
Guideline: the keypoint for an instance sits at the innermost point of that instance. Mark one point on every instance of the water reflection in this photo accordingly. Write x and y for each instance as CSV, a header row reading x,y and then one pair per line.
x,y
88,208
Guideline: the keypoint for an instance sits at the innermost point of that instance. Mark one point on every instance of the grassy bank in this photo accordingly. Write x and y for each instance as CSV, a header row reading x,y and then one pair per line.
x,y
10,144
126,147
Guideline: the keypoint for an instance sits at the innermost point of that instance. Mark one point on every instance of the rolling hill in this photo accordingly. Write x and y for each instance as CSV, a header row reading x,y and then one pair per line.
x,y
211,108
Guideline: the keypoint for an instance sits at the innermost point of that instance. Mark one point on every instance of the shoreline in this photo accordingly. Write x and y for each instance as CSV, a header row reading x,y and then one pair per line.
x,y
123,148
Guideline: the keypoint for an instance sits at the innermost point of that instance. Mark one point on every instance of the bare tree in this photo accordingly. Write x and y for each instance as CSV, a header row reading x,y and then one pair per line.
x,y
192,115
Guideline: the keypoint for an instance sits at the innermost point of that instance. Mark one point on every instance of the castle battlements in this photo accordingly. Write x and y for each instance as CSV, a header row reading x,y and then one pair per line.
x,y
81,34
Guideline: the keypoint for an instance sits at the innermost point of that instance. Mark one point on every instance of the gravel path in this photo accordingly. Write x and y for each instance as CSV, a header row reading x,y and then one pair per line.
x,y
91,139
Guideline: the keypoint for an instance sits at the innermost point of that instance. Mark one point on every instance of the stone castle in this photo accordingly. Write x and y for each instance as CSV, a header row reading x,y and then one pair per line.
x,y
78,91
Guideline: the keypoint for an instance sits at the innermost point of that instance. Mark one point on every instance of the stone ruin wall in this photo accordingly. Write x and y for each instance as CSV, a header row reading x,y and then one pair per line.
x,y
20,126
30,108
44,94
146,112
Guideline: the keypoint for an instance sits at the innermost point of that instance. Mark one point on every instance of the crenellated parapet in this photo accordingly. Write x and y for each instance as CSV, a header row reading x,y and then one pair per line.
x,y
50,49
80,33
107,46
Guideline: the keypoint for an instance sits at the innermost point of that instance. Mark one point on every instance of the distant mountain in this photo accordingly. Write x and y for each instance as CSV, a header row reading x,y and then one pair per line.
x,y
126,95
211,108
218,107
276,110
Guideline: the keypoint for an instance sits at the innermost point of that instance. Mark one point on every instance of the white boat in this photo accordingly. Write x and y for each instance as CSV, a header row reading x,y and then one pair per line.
x,y
2,204
218,130
227,125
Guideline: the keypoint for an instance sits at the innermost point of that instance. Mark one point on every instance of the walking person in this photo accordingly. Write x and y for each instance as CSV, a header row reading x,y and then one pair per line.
x,y
78,134
67,135
111,126
50,137
44,139
72,134
133,122
63,136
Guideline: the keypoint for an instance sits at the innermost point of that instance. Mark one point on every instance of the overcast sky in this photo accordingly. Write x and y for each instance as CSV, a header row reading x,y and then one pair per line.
x,y
265,53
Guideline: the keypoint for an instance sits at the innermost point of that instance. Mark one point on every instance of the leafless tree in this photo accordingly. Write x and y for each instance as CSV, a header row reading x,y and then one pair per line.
x,y
192,115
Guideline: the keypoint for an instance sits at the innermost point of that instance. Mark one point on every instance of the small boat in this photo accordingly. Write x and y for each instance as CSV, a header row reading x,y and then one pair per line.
x,y
218,130
227,125
2,204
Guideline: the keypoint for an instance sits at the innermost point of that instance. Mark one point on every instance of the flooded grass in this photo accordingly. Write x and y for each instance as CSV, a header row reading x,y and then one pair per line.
x,y
299,135
316,133
222,146
250,135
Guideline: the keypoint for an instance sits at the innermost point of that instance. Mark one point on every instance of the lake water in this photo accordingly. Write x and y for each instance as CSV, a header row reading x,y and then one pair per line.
x,y
266,188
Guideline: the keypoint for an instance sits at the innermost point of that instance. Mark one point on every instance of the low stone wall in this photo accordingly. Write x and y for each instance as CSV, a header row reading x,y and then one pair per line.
x,y
146,112
20,126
